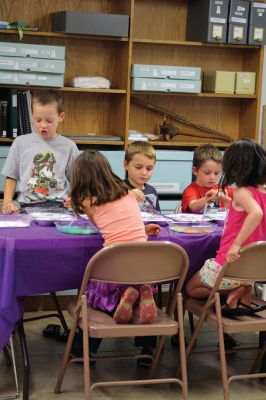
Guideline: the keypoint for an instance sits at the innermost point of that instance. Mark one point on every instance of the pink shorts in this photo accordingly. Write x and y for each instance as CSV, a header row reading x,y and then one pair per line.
x,y
210,272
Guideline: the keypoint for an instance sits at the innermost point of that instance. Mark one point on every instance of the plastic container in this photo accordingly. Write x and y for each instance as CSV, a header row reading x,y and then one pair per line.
x,y
76,227
15,221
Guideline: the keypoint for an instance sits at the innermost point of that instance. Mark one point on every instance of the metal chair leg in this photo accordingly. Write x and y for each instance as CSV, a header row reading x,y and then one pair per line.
x,y
25,356
13,362
59,312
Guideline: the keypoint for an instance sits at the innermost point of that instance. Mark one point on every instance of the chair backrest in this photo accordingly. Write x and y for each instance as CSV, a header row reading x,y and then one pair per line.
x,y
251,264
137,263
178,209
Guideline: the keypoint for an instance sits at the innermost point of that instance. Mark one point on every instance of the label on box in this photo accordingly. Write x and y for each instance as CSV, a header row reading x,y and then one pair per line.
x,y
258,34
238,32
217,31
7,49
168,85
187,86
218,20
259,5
167,187
239,20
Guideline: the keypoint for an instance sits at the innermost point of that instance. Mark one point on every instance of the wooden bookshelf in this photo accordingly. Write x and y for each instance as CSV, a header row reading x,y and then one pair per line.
x,y
157,36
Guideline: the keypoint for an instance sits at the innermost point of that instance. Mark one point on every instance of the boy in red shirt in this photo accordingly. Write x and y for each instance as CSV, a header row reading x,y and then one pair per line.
x,y
207,168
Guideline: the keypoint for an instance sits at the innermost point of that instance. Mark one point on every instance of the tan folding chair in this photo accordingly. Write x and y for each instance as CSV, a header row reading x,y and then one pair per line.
x,y
250,266
178,209
132,264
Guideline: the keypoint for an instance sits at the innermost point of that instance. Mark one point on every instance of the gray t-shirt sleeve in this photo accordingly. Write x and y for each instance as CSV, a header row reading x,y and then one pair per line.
x,y
73,153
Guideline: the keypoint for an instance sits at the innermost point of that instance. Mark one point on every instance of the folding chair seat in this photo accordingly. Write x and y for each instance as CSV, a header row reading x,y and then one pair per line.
x,y
250,266
131,264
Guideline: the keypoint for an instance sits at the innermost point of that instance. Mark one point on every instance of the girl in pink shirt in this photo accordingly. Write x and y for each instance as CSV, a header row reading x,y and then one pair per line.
x,y
105,198
244,164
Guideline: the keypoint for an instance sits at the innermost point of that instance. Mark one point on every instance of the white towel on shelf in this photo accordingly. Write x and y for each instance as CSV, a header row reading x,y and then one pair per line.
x,y
91,82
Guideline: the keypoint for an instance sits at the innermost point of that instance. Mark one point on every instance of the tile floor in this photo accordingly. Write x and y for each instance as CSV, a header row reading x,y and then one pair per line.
x,y
204,373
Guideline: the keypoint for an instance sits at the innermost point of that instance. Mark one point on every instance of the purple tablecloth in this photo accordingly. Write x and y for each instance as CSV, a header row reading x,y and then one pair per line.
x,y
38,260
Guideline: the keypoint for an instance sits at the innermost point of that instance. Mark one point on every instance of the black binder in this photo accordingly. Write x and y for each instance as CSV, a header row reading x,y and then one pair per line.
x,y
3,118
10,95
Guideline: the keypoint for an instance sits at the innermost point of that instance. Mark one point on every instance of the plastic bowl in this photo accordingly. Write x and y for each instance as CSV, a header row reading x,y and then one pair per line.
x,y
76,228
44,223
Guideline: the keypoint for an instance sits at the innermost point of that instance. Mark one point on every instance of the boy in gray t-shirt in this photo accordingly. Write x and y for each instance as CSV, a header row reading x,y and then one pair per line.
x,y
38,165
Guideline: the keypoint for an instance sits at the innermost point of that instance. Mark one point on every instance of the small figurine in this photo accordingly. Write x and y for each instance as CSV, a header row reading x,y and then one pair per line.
x,y
168,130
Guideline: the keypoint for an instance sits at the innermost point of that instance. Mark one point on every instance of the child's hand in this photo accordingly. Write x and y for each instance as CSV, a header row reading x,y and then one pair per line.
x,y
233,253
152,229
138,194
9,208
211,195
67,203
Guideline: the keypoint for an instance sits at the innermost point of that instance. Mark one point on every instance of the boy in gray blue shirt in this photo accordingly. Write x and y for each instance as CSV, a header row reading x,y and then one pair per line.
x,y
38,165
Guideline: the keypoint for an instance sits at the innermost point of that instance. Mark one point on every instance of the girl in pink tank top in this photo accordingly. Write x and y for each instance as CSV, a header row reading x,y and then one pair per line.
x,y
244,164
105,198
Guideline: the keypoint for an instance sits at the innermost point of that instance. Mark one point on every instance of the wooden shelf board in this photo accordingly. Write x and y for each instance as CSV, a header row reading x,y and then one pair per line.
x,y
74,89
193,143
90,142
6,140
214,95
68,89
102,142
65,35
195,44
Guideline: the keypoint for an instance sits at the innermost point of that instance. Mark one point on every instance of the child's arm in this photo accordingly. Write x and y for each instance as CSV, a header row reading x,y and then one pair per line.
x,y
10,187
198,205
140,196
244,201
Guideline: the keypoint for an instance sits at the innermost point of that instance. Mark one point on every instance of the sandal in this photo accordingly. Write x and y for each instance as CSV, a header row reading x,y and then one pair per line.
x,y
244,311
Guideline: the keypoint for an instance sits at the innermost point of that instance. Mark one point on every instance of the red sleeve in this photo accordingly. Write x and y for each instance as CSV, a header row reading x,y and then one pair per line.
x,y
230,191
189,194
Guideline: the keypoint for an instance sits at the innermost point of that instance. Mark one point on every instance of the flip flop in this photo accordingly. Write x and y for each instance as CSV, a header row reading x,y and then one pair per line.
x,y
244,311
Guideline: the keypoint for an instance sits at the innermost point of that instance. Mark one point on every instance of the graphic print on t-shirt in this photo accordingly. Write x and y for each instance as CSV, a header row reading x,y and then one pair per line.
x,y
149,204
42,176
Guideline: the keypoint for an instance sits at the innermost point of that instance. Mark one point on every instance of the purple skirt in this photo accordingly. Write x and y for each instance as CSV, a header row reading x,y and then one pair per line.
x,y
104,296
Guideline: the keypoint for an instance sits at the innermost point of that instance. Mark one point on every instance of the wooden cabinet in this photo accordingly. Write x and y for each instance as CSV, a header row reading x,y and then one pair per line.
x,y
157,36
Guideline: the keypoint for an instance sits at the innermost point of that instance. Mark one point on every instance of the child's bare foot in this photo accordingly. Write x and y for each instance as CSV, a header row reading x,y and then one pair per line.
x,y
123,312
234,296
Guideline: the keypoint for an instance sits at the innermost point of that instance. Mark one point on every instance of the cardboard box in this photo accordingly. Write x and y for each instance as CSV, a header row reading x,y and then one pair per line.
x,y
245,82
207,21
32,64
31,79
90,23
219,81
166,85
257,23
163,72
238,21
31,50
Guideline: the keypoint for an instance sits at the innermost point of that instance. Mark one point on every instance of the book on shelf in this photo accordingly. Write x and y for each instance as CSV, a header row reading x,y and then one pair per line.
x,y
3,118
10,95
95,138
